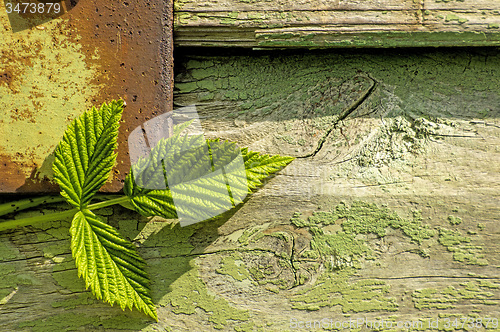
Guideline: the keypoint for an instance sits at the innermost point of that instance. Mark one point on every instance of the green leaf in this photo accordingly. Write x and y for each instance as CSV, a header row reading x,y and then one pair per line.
x,y
149,202
181,126
109,264
182,161
261,166
185,161
84,157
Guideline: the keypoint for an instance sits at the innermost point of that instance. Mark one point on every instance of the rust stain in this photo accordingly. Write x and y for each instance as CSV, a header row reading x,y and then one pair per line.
x,y
134,39
6,78
31,184
130,43
27,20
11,175
22,114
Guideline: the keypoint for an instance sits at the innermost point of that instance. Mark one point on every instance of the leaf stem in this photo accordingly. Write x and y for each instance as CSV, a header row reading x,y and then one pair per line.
x,y
9,224
4,225
107,203
27,203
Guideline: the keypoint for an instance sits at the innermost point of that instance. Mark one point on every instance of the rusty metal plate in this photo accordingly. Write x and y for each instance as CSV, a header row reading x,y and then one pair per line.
x,y
54,66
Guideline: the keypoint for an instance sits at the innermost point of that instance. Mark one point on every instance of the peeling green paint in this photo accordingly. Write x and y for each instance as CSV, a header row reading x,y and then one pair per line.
x,y
188,293
461,248
8,251
250,327
379,39
175,277
414,83
251,234
179,287
342,251
75,296
453,17
53,250
10,265
8,283
234,266
60,233
85,298
66,276
475,292
62,322
72,322
452,321
454,220
364,217
177,242
336,290
47,87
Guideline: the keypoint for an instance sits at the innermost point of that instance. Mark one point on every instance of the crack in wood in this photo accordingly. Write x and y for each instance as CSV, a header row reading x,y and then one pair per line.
x,y
342,117
22,259
484,123
431,277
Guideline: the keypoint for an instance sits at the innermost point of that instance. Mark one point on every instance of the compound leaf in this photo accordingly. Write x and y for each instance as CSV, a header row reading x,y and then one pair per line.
x,y
109,264
182,161
84,157
181,164
149,202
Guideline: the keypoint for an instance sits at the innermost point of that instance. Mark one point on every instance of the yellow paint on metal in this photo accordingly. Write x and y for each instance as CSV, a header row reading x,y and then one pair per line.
x,y
45,82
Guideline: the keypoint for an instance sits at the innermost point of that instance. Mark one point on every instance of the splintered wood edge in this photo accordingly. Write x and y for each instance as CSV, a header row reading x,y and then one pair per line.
x,y
330,24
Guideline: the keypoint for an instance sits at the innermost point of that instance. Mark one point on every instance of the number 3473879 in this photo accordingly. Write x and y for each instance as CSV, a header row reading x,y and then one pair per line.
x,y
33,8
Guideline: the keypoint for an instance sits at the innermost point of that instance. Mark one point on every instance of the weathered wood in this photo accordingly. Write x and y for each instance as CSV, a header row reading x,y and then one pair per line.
x,y
376,23
406,131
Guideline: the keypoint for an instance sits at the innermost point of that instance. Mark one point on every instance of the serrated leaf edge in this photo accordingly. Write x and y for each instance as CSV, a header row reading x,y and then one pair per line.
x,y
93,243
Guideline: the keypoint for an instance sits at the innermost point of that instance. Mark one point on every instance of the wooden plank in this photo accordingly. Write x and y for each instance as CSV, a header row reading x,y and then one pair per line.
x,y
52,70
233,23
302,5
406,130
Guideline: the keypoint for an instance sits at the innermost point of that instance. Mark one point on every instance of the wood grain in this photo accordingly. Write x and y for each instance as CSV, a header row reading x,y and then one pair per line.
x,y
378,23
405,131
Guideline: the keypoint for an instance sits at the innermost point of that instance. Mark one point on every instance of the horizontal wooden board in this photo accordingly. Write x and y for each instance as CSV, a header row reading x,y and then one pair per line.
x,y
412,133
376,23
